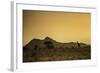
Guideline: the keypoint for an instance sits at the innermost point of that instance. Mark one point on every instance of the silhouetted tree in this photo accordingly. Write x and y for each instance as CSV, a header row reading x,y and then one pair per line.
x,y
49,44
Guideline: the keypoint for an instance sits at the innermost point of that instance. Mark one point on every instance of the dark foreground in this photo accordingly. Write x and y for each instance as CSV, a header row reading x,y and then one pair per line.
x,y
57,54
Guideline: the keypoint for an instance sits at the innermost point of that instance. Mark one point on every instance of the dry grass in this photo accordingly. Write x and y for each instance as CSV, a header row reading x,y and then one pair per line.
x,y
59,54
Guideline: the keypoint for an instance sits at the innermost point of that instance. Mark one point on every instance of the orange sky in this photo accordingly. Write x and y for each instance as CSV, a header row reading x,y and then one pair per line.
x,y
61,26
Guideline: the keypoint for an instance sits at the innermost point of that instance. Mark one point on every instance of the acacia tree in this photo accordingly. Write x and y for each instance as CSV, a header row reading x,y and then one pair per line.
x,y
49,44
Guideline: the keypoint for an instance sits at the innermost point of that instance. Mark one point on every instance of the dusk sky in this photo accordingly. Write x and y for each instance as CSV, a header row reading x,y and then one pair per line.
x,y
60,26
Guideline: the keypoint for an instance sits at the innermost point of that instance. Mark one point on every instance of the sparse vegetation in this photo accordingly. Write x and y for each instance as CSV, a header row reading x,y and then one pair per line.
x,y
52,53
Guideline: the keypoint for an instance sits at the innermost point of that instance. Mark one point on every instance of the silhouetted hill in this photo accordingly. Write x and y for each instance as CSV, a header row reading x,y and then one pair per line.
x,y
41,44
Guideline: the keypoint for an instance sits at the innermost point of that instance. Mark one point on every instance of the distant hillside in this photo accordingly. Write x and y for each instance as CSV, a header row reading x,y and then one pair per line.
x,y
41,44
50,49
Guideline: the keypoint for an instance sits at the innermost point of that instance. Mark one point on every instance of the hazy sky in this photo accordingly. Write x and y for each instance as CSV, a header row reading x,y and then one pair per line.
x,y
61,26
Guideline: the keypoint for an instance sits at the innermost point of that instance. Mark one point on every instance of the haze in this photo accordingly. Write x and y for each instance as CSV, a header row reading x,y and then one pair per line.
x,y
61,26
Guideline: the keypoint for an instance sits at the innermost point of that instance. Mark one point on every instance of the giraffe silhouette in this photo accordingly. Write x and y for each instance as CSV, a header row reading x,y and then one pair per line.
x,y
78,44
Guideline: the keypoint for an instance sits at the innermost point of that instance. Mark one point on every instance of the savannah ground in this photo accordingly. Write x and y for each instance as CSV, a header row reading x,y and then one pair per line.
x,y
59,54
